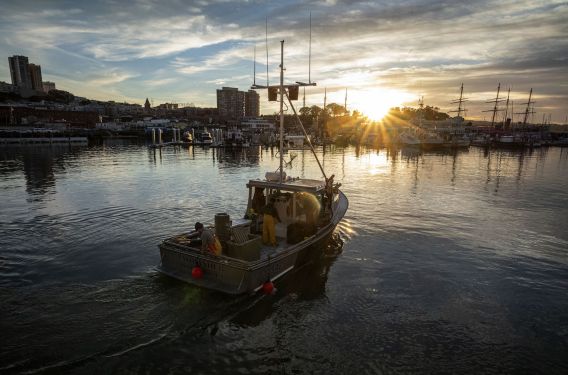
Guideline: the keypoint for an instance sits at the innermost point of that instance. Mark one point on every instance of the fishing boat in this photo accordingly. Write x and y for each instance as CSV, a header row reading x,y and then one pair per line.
x,y
308,211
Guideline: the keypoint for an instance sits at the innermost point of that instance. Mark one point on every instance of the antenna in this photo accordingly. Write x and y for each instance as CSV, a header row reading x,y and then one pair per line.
x,y
254,67
266,39
310,54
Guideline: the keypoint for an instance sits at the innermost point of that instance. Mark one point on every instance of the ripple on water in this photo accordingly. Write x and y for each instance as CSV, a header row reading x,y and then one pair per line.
x,y
445,263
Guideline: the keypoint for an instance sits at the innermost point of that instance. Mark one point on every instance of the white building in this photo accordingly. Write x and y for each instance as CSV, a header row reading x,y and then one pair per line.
x,y
257,124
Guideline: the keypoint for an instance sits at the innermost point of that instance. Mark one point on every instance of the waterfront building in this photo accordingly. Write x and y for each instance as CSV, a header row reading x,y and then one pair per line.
x,y
252,104
231,103
6,88
19,71
168,106
35,77
257,124
48,86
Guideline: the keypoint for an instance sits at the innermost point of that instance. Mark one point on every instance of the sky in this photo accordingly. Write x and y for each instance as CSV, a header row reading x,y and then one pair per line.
x,y
384,53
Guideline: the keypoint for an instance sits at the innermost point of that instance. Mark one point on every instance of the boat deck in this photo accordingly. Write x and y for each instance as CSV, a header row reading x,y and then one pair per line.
x,y
185,243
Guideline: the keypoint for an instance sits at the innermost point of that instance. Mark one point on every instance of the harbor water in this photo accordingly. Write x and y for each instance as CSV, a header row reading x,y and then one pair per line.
x,y
446,262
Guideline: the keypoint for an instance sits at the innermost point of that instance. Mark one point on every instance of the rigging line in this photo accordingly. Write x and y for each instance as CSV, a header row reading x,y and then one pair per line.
x,y
305,134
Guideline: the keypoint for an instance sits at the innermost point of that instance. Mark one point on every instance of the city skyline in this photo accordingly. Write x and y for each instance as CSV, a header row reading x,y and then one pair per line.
x,y
385,54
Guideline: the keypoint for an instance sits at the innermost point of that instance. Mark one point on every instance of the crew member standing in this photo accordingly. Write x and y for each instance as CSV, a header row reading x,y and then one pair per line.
x,y
269,219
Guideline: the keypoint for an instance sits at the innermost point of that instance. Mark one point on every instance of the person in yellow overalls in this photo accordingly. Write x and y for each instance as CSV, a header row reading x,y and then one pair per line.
x,y
269,219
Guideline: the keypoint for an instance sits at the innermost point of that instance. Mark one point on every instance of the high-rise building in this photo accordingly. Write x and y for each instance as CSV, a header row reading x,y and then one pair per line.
x,y
19,71
231,103
252,104
48,86
35,76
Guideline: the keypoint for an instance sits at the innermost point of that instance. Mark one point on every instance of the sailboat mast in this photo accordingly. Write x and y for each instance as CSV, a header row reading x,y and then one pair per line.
x,y
512,113
527,111
495,107
507,107
324,113
281,110
460,101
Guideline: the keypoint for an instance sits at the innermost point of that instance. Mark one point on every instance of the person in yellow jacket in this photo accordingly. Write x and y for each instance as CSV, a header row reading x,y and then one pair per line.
x,y
269,220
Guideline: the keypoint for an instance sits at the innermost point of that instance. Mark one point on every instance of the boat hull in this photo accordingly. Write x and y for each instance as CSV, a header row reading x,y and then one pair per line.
x,y
234,276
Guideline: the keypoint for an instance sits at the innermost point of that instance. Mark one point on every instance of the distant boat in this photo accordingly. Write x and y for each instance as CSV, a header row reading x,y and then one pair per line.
x,y
430,140
457,142
187,137
235,139
406,138
203,139
481,140
294,142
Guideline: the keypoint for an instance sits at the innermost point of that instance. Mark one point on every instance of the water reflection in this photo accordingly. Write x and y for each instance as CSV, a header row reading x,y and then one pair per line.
x,y
236,157
445,254
40,164
307,283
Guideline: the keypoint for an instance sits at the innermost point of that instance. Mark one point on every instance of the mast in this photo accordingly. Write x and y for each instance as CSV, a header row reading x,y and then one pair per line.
x,y
266,40
281,110
495,102
528,109
310,55
324,113
254,67
512,112
507,106
283,90
495,107
421,106
459,102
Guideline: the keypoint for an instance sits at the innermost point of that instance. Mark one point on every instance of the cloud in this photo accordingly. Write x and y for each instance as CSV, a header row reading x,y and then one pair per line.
x,y
159,82
111,77
190,48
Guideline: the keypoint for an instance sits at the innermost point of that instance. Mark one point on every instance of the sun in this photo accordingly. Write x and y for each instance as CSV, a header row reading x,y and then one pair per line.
x,y
375,103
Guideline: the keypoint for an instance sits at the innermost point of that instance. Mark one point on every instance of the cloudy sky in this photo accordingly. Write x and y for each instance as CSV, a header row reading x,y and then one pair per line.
x,y
384,52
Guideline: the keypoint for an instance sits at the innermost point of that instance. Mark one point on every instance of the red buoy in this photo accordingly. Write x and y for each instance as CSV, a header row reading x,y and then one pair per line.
x,y
268,287
197,272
